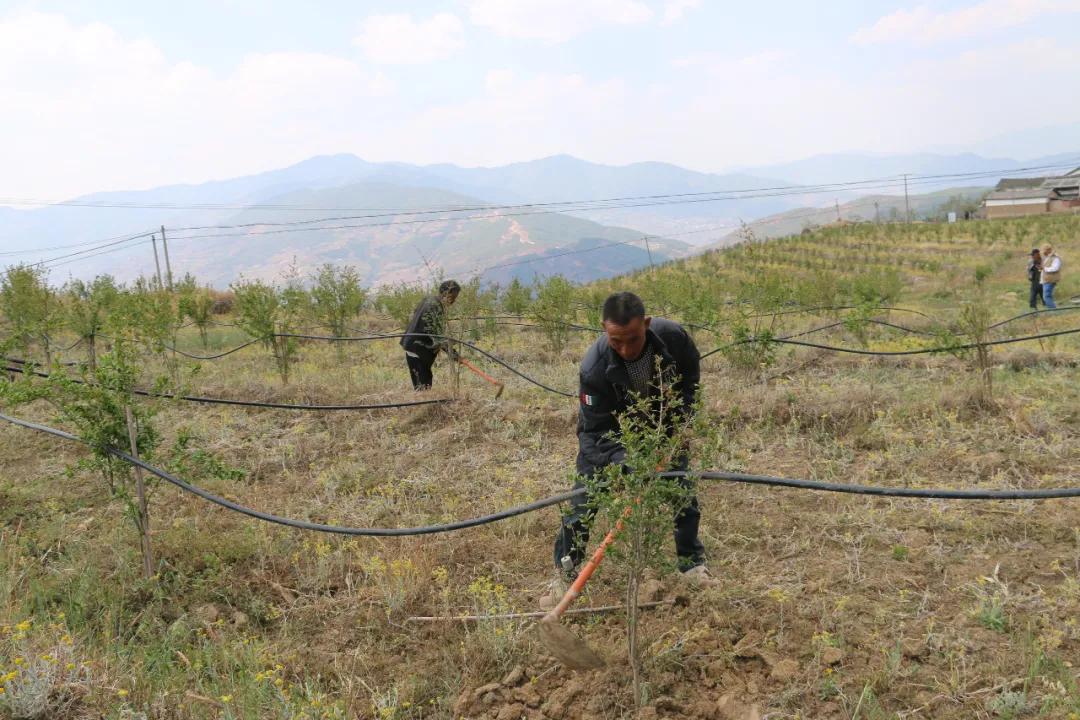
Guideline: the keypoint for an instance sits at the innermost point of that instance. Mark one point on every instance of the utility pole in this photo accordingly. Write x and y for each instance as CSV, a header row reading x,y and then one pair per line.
x,y
907,203
838,210
157,263
877,213
168,266
648,250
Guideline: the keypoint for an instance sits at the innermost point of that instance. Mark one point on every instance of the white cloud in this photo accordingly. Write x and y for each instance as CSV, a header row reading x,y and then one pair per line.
x,y
554,21
722,65
398,39
923,25
674,10
87,109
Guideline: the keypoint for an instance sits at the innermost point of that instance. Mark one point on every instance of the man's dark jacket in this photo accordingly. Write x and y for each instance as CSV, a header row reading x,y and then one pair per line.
x,y
605,390
428,319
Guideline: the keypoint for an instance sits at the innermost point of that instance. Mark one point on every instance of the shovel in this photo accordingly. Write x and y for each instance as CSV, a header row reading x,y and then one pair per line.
x,y
482,374
568,648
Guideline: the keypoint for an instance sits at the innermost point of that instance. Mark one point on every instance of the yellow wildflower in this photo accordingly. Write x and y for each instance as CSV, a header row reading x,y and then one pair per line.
x,y
122,693
225,699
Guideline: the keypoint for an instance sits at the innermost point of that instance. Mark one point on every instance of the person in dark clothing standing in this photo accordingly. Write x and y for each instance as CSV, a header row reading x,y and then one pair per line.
x,y
617,370
428,320
1034,270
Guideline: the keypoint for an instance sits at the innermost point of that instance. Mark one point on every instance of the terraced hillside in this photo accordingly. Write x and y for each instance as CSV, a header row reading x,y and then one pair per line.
x,y
830,605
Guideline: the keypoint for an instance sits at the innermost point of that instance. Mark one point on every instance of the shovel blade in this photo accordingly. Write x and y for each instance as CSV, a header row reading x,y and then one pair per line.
x,y
567,647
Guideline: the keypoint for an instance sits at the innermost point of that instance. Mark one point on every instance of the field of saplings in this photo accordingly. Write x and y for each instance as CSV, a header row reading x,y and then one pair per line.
x,y
230,503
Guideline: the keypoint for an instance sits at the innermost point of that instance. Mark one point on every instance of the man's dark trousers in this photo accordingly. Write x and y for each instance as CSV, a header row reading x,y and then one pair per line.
x,y
420,368
1036,295
574,534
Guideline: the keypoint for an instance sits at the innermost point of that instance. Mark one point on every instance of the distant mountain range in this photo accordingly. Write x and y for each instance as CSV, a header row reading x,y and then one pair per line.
x,y
395,217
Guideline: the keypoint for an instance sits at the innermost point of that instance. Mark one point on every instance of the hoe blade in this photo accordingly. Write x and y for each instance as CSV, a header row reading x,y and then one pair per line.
x,y
567,647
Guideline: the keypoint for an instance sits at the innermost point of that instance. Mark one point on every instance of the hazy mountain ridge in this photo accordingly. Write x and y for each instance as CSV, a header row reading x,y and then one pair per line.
x,y
388,245
345,185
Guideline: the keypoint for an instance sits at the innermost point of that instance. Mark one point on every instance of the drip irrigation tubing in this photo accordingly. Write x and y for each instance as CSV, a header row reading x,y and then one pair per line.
x,y
767,480
810,332
879,490
258,403
1030,314
193,356
457,341
924,351
305,524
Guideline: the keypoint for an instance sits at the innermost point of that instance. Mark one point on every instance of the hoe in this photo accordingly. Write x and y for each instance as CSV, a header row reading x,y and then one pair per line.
x,y
568,648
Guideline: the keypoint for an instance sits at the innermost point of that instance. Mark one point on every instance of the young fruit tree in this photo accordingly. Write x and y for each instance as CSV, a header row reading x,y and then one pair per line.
x,y
31,310
271,313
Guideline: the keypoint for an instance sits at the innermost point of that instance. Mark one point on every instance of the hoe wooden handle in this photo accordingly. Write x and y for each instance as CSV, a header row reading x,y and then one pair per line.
x,y
574,592
481,373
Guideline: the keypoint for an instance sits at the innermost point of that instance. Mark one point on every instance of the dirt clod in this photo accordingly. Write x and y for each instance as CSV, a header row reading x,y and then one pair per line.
x,y
651,591
511,712
832,655
784,670
527,695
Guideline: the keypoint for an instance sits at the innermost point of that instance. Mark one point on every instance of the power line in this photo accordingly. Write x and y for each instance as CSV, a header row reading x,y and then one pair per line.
x,y
64,247
487,206
679,198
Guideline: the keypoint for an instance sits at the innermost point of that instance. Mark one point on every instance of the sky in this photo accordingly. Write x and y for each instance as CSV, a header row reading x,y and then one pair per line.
x,y
117,95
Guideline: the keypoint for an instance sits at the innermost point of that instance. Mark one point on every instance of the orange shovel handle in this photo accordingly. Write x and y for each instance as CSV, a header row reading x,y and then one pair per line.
x,y
478,371
578,585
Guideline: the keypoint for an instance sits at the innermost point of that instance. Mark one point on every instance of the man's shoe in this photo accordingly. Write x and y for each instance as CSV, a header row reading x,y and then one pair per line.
x,y
699,575
556,588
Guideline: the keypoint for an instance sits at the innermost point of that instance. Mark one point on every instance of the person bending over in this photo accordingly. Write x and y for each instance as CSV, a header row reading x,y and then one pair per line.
x,y
618,369
420,342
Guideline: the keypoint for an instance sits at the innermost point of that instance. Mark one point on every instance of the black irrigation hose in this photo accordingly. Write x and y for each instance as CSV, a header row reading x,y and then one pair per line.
x,y
260,404
924,351
943,494
807,332
563,323
1030,314
458,341
304,524
881,491
238,348
291,406
827,308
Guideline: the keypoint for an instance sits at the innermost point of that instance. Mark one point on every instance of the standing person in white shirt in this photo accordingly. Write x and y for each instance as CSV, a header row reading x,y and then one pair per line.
x,y
1051,273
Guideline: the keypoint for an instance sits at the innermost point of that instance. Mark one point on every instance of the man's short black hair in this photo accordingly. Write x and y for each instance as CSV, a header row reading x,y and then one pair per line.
x,y
1035,251
623,307
449,287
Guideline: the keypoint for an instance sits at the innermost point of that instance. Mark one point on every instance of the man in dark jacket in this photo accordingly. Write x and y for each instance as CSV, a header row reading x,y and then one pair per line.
x,y
1034,270
428,320
619,368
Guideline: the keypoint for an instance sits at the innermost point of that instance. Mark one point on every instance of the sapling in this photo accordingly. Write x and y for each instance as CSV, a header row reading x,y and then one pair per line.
x,y
87,310
30,308
271,313
553,309
197,304
656,434
336,298
97,404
